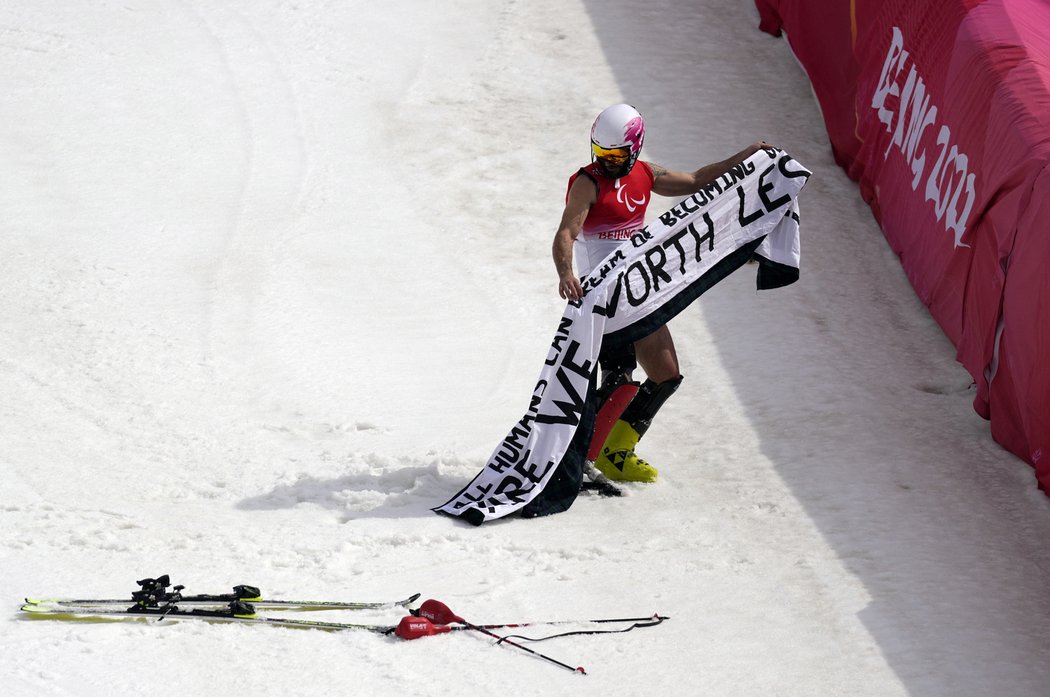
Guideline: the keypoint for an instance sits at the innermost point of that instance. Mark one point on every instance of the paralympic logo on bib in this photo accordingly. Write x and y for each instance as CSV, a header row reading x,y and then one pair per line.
x,y
631,203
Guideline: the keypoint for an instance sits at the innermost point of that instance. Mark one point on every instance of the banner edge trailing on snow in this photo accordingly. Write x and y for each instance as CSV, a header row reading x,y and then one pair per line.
x,y
750,210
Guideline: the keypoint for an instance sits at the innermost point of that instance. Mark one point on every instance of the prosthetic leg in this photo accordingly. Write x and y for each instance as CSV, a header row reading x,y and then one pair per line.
x,y
613,397
614,394
617,460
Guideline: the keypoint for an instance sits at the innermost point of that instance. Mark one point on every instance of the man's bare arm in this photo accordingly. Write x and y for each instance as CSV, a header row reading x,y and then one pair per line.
x,y
582,195
671,183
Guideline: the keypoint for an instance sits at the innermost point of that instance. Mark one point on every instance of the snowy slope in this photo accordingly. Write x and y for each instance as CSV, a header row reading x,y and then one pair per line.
x,y
275,279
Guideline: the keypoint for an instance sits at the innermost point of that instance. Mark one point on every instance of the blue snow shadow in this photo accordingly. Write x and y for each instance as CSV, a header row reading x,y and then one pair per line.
x,y
407,491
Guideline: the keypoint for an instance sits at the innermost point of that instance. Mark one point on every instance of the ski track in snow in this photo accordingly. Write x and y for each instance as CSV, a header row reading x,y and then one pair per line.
x,y
276,280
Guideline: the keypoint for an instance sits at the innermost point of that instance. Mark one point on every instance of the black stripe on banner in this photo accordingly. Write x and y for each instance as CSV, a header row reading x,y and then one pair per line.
x,y
772,274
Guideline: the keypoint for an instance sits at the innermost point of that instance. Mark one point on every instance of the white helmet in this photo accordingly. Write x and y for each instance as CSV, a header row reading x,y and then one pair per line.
x,y
616,139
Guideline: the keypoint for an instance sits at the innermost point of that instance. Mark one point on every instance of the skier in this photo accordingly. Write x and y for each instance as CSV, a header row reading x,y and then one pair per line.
x,y
605,204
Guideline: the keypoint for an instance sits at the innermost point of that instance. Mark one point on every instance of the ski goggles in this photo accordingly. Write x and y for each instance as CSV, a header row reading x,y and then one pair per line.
x,y
615,156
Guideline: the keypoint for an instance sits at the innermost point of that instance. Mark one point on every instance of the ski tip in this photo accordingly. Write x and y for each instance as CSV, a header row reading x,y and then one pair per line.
x,y
37,609
412,598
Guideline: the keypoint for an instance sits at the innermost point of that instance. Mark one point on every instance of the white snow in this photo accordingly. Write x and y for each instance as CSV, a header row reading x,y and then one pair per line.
x,y
275,279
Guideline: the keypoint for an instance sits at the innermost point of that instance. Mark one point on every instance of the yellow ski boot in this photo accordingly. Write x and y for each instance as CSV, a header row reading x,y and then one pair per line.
x,y
617,460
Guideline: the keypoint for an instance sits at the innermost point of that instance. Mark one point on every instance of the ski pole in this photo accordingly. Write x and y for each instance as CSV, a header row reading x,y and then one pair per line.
x,y
439,613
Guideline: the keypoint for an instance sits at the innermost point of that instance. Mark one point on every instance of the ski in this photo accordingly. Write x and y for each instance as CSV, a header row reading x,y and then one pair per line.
x,y
222,599
153,592
237,612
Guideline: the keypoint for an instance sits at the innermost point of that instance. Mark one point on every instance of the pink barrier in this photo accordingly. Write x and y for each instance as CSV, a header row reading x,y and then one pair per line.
x,y
940,109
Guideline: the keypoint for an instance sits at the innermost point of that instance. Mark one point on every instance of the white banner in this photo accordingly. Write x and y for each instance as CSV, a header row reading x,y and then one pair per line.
x,y
749,211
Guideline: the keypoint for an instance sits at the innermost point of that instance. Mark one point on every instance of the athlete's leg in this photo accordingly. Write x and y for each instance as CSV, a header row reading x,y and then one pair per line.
x,y
657,356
